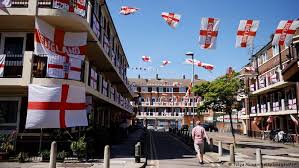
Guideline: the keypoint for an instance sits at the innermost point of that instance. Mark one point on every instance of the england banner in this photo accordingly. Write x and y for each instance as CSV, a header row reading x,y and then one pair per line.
x,y
58,106
146,59
5,3
76,6
208,33
246,33
64,67
2,64
285,32
93,78
171,19
64,49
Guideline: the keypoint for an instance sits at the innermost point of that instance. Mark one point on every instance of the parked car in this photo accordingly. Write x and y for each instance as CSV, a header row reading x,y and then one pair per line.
x,y
150,127
210,127
160,128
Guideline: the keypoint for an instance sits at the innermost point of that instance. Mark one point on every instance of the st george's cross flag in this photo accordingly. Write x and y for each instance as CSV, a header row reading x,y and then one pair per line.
x,y
249,69
146,59
126,10
206,66
285,32
208,33
59,106
5,3
75,6
65,50
2,64
93,78
190,61
165,62
246,33
171,19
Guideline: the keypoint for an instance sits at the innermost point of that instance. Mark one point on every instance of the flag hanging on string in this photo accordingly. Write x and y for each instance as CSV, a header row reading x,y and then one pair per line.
x,y
126,10
246,33
249,69
171,19
208,33
2,64
5,3
59,106
165,62
93,78
206,66
190,61
146,59
65,50
75,6
285,32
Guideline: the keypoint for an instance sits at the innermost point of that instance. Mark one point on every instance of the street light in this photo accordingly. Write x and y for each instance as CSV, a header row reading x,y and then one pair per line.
x,y
191,54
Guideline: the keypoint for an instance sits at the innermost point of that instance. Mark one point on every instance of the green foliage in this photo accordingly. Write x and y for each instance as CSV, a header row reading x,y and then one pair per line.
x,y
220,94
45,154
79,147
61,155
7,142
22,157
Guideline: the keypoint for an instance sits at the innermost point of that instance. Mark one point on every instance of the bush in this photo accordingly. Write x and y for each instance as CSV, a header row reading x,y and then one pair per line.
x,y
79,147
22,157
61,155
45,154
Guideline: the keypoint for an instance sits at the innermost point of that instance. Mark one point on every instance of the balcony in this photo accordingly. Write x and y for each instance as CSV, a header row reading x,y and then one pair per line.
x,y
170,104
281,107
13,65
160,115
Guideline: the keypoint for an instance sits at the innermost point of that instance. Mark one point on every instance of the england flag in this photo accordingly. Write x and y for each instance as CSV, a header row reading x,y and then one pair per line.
x,y
246,32
208,33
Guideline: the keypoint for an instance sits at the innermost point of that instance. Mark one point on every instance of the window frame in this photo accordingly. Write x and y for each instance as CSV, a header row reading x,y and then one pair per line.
x,y
17,124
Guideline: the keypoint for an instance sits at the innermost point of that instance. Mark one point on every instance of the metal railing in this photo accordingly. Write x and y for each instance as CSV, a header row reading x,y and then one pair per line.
x,y
19,3
13,66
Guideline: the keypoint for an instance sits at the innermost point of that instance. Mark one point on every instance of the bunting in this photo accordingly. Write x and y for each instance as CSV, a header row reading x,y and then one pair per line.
x,y
165,62
2,64
5,3
146,59
75,6
246,33
208,33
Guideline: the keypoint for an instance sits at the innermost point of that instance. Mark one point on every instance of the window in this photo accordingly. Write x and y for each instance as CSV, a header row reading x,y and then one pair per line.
x,y
149,89
182,89
275,50
160,89
265,57
143,89
8,111
176,89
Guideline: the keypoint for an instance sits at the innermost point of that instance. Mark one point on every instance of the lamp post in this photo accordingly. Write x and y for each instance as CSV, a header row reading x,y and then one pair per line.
x,y
191,54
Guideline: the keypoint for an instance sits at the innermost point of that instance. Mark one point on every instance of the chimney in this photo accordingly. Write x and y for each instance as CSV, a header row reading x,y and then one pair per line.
x,y
184,77
195,77
157,76
139,76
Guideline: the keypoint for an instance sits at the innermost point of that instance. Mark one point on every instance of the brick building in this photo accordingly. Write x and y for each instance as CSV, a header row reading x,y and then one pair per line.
x,y
108,98
269,100
163,102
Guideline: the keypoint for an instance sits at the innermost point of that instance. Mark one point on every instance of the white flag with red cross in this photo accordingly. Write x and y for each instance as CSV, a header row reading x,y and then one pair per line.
x,y
58,106
249,69
206,66
165,62
5,3
190,61
171,19
208,33
285,32
294,120
2,64
65,50
126,10
146,59
188,93
93,78
246,32
75,6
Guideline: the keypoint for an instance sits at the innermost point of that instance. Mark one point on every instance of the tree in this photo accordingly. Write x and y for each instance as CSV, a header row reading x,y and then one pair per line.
x,y
221,94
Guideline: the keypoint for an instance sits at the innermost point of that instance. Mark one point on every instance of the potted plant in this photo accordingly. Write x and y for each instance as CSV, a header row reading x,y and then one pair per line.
x,y
6,145
45,154
79,147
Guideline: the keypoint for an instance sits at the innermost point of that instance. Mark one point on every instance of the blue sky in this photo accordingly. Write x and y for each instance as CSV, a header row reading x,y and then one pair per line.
x,y
146,33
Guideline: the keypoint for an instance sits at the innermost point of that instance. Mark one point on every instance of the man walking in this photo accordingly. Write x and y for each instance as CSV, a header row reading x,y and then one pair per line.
x,y
198,135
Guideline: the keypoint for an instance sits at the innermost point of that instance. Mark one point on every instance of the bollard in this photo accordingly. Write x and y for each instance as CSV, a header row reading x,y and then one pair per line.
x,y
211,145
107,157
53,155
220,148
232,154
259,158
137,152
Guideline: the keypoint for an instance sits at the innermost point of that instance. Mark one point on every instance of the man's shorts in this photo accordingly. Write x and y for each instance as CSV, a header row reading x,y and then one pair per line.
x,y
199,148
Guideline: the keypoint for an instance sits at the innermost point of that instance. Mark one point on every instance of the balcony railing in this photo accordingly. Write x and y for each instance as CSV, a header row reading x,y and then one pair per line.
x,y
276,106
160,114
13,66
19,3
169,104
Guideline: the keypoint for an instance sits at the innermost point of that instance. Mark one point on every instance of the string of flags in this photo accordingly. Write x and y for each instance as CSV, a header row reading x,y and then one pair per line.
x,y
245,33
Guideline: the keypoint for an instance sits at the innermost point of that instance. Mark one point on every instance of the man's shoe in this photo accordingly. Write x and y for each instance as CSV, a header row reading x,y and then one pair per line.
x,y
201,163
